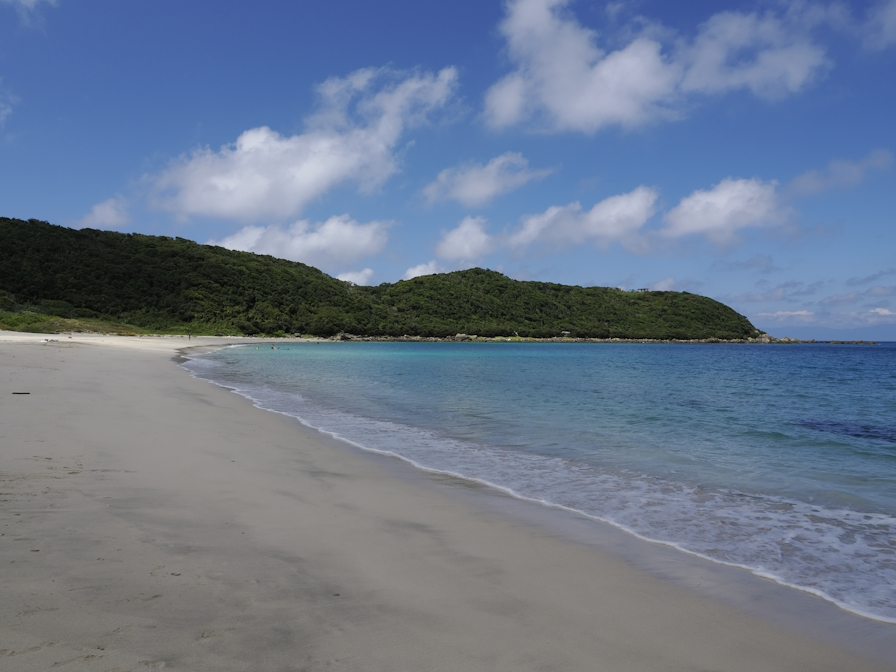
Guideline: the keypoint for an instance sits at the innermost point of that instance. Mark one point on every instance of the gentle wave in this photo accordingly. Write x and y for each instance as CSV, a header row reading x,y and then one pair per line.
x,y
843,556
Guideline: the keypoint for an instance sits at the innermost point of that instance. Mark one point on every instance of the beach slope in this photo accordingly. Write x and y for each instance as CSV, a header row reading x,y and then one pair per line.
x,y
150,519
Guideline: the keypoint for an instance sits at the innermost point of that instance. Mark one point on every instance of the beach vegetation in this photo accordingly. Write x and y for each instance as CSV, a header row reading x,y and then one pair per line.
x,y
38,323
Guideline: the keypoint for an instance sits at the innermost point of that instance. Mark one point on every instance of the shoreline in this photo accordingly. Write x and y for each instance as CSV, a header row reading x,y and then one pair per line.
x,y
342,337
647,541
174,474
765,339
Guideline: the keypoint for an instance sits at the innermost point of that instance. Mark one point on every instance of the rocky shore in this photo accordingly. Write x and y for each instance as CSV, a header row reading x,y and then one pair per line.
x,y
565,338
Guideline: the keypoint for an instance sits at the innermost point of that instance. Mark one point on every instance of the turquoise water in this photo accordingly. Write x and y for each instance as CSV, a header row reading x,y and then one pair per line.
x,y
781,459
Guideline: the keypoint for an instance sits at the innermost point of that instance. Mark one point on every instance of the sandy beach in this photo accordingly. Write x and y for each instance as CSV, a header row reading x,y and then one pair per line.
x,y
152,520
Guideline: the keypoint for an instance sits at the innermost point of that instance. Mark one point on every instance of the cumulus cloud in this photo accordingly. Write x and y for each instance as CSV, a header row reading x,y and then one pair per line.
x,y
476,184
880,29
664,285
429,268
720,212
617,219
562,80
883,312
357,277
614,219
468,241
109,214
840,173
461,247
352,137
339,240
747,51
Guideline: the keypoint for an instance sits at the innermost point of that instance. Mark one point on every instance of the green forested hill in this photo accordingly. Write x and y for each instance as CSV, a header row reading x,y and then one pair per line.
x,y
163,283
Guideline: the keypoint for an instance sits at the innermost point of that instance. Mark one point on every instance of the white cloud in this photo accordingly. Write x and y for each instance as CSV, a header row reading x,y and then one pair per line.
x,y
5,110
720,212
880,290
615,219
428,268
7,101
883,312
476,184
562,79
746,51
357,277
461,246
351,138
880,29
788,314
840,173
26,8
109,214
27,5
664,285
339,240
505,101
466,242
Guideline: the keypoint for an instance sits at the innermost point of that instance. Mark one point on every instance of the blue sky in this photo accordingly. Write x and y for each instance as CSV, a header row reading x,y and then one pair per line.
x,y
742,150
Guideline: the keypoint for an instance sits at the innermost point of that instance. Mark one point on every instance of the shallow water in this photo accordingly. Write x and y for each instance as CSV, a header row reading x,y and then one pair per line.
x,y
781,459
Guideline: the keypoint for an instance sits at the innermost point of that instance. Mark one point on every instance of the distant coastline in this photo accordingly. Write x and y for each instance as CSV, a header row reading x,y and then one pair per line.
x,y
763,339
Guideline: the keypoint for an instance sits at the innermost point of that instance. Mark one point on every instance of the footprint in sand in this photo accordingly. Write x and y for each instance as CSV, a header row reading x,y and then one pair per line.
x,y
10,652
31,612
72,660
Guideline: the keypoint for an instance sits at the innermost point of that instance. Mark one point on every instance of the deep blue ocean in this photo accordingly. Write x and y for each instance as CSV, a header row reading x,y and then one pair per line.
x,y
777,458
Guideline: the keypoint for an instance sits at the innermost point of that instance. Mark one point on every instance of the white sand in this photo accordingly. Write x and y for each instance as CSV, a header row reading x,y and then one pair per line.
x,y
150,519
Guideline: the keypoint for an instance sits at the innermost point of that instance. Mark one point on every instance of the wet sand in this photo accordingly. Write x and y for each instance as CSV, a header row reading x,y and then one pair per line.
x,y
150,520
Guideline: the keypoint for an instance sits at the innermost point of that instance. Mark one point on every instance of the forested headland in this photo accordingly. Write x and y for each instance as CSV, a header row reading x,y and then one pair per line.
x,y
162,284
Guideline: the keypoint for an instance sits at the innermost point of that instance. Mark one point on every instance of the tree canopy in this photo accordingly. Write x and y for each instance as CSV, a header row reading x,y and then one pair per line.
x,y
157,282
